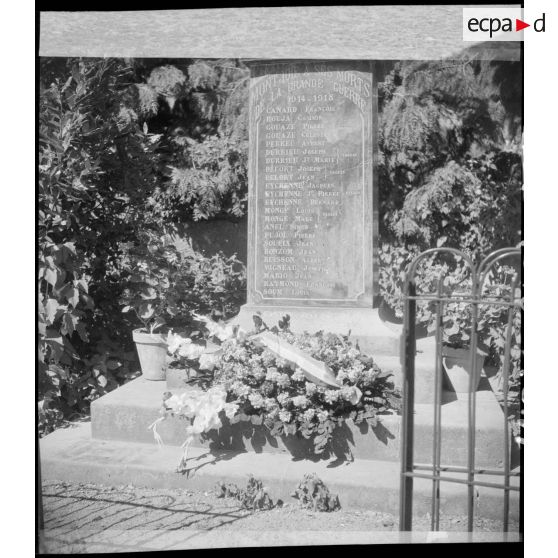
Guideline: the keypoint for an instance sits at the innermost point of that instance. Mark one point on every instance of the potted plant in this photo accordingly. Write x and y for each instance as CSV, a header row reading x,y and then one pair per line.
x,y
153,266
456,350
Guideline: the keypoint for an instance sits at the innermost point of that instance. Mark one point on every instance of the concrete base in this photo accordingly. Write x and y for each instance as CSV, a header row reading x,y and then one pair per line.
x,y
364,324
125,413
72,455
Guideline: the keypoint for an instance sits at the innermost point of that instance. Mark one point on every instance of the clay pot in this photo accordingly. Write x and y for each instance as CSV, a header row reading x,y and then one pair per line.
x,y
152,352
457,367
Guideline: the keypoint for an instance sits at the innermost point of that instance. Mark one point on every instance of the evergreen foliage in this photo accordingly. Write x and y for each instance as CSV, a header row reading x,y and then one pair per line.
x,y
450,138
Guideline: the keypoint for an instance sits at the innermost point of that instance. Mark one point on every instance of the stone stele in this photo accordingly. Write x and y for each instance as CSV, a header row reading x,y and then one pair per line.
x,y
313,212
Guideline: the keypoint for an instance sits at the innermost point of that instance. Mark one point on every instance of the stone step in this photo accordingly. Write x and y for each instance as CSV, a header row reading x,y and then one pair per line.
x,y
73,455
125,414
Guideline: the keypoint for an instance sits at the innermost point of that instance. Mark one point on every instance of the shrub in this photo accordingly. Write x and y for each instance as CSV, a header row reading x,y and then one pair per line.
x,y
107,141
165,287
314,494
253,497
96,169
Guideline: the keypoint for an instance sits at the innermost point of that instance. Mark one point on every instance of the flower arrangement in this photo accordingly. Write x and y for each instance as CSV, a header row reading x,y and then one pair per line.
x,y
272,391
202,409
250,382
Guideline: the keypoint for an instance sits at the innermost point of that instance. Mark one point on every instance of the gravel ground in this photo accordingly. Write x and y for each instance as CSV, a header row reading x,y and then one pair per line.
x,y
83,518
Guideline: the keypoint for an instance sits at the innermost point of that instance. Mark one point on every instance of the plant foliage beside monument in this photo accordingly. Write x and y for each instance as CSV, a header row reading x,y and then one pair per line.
x,y
117,139
450,175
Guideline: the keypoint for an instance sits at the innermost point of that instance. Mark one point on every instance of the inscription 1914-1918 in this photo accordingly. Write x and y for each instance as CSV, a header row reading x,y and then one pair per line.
x,y
311,197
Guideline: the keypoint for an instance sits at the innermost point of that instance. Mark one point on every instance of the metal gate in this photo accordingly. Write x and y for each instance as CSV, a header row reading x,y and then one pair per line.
x,y
475,297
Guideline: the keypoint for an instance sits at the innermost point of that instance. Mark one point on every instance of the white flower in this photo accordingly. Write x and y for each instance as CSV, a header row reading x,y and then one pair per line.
x,y
256,400
285,416
173,403
240,370
309,414
351,394
258,372
272,374
300,401
311,389
342,375
331,395
282,399
282,363
270,403
190,350
268,357
225,332
221,331
230,410
298,375
240,389
273,412
322,416
206,419
174,341
283,380
208,361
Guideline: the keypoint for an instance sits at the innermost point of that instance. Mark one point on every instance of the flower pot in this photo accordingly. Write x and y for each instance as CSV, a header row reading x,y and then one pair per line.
x,y
152,352
457,367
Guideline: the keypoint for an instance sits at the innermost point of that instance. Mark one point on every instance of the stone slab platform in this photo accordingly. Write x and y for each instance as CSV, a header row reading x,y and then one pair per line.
x,y
125,414
72,455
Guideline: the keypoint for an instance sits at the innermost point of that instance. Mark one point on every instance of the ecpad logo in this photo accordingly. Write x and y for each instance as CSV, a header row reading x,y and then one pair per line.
x,y
497,24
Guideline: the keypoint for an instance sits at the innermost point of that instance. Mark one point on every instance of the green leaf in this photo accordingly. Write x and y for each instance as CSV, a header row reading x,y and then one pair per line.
x,y
82,331
42,325
159,322
88,301
51,276
51,308
82,284
72,295
68,323
56,346
146,310
148,293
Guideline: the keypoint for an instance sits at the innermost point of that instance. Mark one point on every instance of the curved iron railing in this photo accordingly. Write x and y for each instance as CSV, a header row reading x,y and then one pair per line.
x,y
433,471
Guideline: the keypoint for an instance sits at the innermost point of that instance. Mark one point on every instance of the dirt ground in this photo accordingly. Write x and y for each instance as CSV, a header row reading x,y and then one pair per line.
x,y
84,518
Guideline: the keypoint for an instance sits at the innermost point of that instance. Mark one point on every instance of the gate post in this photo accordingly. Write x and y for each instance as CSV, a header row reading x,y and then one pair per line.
x,y
408,350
